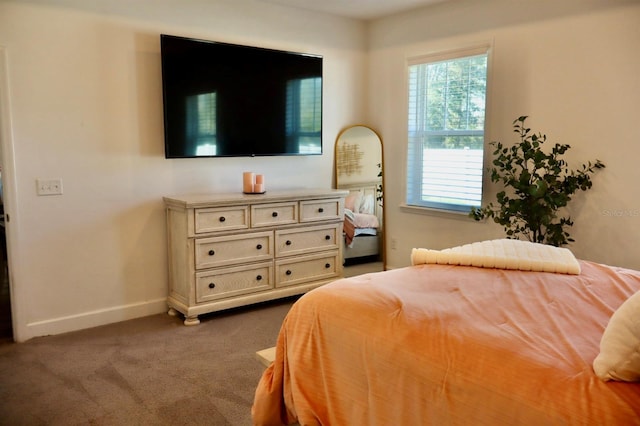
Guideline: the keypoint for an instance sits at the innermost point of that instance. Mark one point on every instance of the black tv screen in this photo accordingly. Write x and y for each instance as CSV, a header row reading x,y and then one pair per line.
x,y
224,99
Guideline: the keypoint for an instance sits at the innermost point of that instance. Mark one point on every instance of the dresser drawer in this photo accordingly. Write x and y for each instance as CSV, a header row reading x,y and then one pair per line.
x,y
317,210
290,242
233,249
274,214
221,219
235,281
298,270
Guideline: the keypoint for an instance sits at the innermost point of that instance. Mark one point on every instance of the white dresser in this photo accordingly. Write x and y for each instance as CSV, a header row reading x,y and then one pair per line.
x,y
234,249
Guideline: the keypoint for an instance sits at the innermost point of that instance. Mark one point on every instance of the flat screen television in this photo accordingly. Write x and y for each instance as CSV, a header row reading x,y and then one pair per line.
x,y
227,100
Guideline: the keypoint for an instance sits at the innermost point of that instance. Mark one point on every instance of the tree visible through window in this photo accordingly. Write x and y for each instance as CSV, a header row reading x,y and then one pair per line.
x,y
447,99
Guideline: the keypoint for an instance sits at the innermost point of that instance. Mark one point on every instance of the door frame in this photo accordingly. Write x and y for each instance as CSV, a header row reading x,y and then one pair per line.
x,y
9,190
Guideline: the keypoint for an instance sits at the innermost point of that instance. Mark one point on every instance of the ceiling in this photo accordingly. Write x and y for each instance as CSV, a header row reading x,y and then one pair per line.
x,y
358,9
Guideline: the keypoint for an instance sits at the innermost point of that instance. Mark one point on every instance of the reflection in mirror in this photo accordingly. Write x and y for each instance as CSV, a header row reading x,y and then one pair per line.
x,y
359,169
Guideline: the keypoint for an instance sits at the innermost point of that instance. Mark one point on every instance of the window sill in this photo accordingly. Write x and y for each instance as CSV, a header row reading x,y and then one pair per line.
x,y
447,214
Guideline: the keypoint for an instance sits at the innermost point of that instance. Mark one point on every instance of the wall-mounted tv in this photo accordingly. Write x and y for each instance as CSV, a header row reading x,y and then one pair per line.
x,y
226,100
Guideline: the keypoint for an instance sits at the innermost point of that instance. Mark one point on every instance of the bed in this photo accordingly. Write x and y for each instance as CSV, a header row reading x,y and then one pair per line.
x,y
450,342
362,222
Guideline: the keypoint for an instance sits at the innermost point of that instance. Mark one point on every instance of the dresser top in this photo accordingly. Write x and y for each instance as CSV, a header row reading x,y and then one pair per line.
x,y
235,198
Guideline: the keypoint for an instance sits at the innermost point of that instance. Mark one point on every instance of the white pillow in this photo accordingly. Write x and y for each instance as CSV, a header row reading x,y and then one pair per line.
x,y
367,204
619,357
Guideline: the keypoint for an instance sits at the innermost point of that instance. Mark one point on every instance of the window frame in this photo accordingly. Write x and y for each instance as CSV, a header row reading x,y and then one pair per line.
x,y
481,48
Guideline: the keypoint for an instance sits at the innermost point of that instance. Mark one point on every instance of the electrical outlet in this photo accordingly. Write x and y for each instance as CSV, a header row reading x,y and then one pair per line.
x,y
394,244
49,186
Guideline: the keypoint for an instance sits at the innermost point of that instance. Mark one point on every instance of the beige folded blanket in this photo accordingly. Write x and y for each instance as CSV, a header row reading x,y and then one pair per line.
x,y
503,254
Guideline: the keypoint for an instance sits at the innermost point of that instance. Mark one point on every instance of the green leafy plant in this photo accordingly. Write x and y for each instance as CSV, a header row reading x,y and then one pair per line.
x,y
539,186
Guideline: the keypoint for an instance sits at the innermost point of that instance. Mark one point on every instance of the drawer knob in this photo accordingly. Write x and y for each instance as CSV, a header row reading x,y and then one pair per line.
x,y
222,219
259,246
259,277
288,242
211,252
320,210
327,237
327,265
212,285
288,272
274,214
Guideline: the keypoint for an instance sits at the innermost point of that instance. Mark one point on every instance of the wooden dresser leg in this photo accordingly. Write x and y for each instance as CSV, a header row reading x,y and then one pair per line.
x,y
193,320
172,312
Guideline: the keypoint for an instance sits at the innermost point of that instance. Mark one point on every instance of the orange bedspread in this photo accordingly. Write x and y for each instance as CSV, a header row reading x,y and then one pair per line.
x,y
450,345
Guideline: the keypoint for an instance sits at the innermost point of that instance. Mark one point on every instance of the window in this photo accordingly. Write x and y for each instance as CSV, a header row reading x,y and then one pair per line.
x,y
304,115
201,123
446,120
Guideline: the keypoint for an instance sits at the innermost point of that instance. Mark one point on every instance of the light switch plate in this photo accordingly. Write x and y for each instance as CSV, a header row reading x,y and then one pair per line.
x,y
49,186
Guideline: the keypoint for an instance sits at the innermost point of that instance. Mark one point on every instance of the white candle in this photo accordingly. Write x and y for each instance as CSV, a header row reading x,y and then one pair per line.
x,y
248,179
259,187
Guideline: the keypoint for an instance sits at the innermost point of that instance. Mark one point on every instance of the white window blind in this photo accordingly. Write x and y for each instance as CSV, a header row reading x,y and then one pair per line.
x,y
304,115
446,120
202,123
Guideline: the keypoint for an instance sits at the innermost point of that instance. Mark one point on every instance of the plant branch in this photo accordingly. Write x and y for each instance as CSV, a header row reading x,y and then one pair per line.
x,y
539,185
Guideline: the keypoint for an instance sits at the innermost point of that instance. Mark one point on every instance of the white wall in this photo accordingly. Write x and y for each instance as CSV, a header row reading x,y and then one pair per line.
x,y
572,66
85,105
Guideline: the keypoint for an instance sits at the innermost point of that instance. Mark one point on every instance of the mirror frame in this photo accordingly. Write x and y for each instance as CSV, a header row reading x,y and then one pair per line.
x,y
335,180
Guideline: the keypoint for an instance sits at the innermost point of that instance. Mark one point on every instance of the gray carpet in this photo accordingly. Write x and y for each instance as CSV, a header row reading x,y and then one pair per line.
x,y
147,371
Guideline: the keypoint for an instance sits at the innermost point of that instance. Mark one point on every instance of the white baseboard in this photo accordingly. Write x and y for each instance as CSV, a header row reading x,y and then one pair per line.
x,y
94,318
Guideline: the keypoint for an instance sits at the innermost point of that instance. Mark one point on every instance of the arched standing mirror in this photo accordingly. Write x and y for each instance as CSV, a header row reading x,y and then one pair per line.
x,y
359,169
